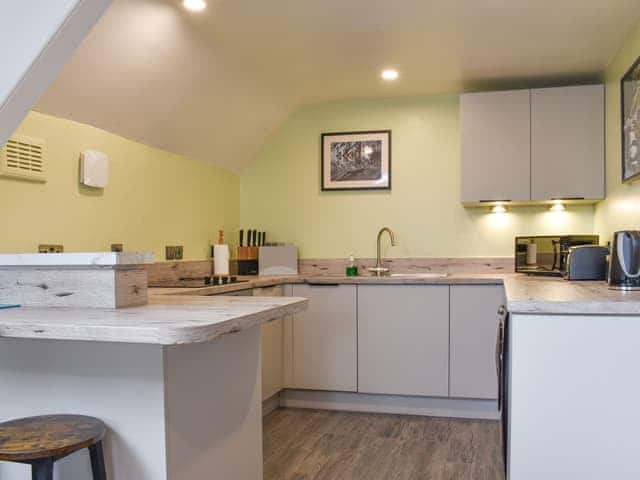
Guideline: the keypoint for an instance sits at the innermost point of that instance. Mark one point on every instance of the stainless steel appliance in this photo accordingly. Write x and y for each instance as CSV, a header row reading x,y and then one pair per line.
x,y
502,365
547,254
587,262
624,266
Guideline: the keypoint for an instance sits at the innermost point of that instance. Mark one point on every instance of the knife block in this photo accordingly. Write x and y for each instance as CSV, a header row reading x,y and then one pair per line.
x,y
247,253
247,260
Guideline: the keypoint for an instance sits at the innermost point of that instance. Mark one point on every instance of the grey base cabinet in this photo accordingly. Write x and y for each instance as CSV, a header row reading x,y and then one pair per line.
x,y
474,324
403,339
321,342
272,347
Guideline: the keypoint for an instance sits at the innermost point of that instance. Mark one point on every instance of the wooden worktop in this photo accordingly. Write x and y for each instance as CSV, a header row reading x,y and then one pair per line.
x,y
524,294
167,320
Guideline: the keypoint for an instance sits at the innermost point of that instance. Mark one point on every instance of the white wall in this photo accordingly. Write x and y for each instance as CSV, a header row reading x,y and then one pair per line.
x,y
37,37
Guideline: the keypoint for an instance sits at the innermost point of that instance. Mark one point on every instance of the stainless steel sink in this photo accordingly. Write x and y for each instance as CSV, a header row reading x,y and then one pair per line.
x,y
420,275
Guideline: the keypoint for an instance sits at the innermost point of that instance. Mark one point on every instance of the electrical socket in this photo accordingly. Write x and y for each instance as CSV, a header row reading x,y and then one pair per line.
x,y
173,252
50,248
117,247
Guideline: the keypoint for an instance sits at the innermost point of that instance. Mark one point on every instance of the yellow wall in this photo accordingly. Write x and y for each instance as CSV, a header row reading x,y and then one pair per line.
x,y
621,209
154,198
280,190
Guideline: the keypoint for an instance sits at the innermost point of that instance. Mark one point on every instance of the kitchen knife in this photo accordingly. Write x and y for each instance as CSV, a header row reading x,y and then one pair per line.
x,y
255,238
241,237
259,239
252,238
264,238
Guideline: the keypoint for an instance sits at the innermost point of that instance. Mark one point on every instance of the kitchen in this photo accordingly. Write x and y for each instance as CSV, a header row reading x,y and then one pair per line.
x,y
485,156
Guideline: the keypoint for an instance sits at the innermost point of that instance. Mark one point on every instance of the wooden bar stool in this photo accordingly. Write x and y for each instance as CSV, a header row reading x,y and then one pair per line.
x,y
41,441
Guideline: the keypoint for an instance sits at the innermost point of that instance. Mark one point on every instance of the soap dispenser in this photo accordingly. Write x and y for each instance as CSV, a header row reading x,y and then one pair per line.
x,y
352,268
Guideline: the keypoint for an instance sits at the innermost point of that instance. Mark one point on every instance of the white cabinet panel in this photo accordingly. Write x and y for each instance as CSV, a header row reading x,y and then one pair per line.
x,y
272,348
324,339
495,146
403,339
567,142
474,324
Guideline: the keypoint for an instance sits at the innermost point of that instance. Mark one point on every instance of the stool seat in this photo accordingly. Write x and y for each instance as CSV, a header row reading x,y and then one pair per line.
x,y
48,436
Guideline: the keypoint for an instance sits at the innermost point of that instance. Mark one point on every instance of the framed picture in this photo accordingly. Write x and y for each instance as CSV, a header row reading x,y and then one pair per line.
x,y
630,108
356,160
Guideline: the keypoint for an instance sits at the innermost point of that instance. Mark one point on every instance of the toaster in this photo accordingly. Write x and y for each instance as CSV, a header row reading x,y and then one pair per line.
x,y
587,262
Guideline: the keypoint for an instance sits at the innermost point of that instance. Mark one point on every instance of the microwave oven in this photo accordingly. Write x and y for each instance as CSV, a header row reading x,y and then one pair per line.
x,y
547,254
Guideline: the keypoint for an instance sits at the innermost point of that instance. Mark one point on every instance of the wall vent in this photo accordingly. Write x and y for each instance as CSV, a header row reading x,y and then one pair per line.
x,y
23,157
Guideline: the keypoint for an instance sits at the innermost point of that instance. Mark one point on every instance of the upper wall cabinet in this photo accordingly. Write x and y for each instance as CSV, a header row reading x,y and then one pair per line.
x,y
532,145
567,143
495,129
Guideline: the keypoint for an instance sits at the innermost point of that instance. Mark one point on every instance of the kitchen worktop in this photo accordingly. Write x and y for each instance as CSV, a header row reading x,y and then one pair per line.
x,y
167,320
524,294
191,315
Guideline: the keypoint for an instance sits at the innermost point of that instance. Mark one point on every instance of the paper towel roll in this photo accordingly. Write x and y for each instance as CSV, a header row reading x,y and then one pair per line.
x,y
532,254
221,259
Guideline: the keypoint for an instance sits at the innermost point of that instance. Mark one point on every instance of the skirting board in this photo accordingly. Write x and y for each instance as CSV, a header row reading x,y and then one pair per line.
x,y
396,404
270,404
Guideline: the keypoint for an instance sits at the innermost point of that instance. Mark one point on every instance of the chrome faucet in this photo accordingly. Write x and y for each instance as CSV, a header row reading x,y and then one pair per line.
x,y
379,270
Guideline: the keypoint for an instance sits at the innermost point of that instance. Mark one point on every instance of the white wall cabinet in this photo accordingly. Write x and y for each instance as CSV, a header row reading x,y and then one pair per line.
x,y
272,348
532,145
473,329
567,142
495,142
321,342
403,339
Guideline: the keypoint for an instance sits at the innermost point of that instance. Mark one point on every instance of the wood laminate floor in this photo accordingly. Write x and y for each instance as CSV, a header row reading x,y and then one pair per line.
x,y
312,444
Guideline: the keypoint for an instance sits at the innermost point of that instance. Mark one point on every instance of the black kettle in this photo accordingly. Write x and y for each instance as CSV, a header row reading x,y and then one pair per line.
x,y
624,267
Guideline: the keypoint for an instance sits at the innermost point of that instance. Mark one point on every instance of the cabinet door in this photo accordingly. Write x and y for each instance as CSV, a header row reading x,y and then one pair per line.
x,y
324,339
474,325
567,142
272,348
403,339
495,146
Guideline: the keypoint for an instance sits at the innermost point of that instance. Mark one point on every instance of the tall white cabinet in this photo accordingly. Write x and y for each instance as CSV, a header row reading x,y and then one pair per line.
x,y
532,145
403,339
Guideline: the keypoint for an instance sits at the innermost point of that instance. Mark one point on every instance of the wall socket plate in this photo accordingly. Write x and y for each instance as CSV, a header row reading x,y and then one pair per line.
x,y
50,248
173,252
117,247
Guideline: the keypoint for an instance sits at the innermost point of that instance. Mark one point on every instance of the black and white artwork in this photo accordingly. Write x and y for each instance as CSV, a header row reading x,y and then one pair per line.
x,y
356,160
630,99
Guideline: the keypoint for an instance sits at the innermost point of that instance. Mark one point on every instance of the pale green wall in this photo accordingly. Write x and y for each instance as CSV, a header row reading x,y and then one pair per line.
x,y
154,198
621,209
280,190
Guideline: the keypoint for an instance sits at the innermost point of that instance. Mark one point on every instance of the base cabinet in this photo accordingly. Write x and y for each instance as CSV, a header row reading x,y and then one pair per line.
x,y
321,342
403,339
474,324
272,348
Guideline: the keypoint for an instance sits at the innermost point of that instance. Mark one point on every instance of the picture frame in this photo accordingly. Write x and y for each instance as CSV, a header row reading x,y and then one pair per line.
x,y
630,123
356,160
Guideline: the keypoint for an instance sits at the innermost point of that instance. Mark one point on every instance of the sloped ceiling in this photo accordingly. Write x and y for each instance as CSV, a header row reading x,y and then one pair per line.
x,y
214,85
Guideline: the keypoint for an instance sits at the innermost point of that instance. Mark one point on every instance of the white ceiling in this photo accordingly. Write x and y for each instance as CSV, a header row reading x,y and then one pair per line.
x,y
214,85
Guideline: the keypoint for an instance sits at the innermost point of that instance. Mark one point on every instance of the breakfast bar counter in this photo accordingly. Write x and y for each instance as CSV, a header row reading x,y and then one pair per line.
x,y
177,382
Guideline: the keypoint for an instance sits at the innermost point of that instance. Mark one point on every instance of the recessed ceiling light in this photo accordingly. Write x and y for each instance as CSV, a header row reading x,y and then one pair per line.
x,y
390,74
194,5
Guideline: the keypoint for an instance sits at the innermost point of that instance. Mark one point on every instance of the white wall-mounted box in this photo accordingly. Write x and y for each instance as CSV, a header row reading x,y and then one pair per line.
x,y
94,169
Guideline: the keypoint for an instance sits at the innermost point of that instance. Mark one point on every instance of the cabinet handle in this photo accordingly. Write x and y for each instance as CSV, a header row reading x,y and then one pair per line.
x,y
322,284
502,310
